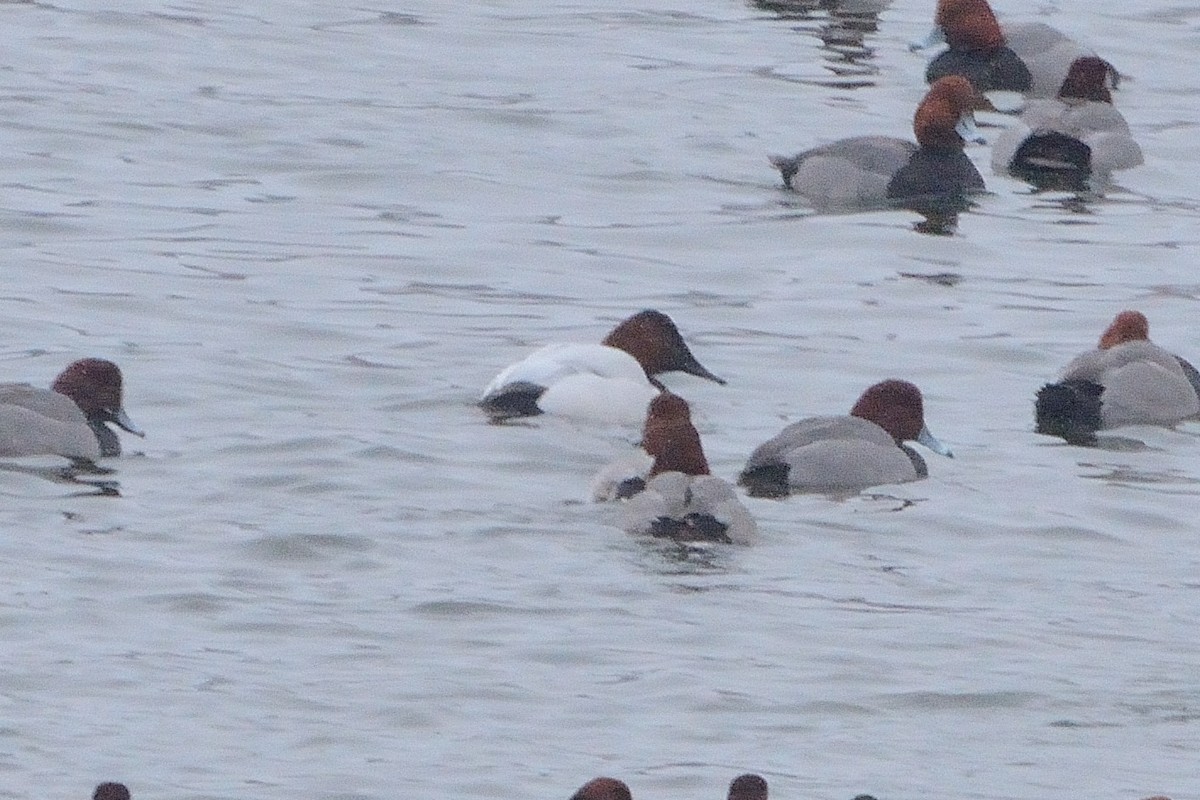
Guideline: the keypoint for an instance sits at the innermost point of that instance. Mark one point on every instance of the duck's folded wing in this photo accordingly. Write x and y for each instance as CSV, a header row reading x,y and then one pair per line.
x,y
815,429
557,361
26,432
44,402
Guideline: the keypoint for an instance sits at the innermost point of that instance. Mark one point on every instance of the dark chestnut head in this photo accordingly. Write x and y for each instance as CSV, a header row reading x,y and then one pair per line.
x,y
95,386
945,105
93,383
671,439
748,787
111,791
969,25
652,338
1128,326
1088,79
603,789
898,408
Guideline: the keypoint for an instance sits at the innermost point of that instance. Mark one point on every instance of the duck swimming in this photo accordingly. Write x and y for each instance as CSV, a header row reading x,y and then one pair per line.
x,y
678,498
603,789
70,419
881,170
748,787
608,382
1073,141
1027,57
1126,380
847,453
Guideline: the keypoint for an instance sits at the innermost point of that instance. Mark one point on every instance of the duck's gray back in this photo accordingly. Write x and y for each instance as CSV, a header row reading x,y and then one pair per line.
x,y
37,422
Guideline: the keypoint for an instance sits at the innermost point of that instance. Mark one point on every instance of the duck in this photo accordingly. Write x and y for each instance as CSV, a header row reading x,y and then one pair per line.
x,y
868,171
111,791
70,419
1125,380
748,787
1073,141
678,497
847,453
613,381
1031,58
603,789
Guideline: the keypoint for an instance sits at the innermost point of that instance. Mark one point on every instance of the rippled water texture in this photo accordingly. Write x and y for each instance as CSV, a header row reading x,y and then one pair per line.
x,y
310,233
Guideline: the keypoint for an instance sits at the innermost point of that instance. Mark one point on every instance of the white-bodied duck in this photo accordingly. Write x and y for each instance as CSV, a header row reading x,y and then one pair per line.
x,y
608,382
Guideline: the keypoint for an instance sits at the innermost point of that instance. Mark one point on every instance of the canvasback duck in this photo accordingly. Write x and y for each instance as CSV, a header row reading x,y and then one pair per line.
x,y
111,791
847,453
1027,57
603,789
748,787
70,419
1072,141
678,498
1126,380
875,170
611,382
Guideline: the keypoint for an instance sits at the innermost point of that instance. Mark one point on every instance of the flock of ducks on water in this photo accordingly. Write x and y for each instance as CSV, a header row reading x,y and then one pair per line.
x,y
668,490
1069,134
666,486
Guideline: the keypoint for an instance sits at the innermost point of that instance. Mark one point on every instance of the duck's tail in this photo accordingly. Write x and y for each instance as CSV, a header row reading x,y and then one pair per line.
x,y
1070,409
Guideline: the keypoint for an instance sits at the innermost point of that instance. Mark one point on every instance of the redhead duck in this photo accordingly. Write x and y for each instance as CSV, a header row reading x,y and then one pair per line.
x,y
748,787
1071,141
603,789
1126,380
111,791
1032,57
873,170
678,498
612,381
70,419
847,453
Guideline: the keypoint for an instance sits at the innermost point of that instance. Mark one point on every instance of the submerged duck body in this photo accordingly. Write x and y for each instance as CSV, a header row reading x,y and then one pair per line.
x,y
847,453
1126,380
111,791
1065,141
748,787
71,419
677,497
609,382
603,789
866,171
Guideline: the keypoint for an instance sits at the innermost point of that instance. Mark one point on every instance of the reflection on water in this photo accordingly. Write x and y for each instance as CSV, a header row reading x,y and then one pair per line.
x,y
1126,474
843,27
75,474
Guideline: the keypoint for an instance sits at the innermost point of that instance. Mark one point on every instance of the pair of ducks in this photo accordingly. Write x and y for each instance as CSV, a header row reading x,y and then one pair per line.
x,y
1073,140
668,489
743,787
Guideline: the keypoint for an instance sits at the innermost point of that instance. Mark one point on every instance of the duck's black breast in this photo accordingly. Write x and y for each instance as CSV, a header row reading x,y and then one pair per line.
x,y
1001,69
934,173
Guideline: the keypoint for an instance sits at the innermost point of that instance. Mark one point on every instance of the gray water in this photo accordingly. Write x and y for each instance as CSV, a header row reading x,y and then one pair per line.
x,y
310,233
